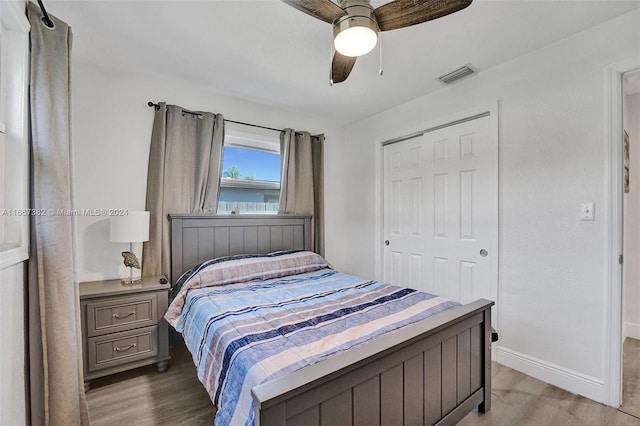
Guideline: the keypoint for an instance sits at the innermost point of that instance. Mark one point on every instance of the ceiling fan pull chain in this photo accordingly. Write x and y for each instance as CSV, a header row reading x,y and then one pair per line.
x,y
381,72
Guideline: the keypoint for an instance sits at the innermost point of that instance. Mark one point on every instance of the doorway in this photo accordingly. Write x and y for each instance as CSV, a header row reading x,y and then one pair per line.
x,y
614,336
631,244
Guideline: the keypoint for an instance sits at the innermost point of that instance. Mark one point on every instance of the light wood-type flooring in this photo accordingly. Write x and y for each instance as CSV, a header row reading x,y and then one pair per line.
x,y
146,397
631,377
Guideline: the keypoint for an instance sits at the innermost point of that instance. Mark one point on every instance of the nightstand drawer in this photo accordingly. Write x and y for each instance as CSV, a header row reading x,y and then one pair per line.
x,y
120,314
121,348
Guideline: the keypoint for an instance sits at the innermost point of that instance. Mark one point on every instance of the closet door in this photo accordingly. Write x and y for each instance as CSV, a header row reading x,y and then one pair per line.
x,y
440,211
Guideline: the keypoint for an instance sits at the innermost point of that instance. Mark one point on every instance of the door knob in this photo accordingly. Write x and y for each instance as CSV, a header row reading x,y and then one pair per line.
x,y
484,253
386,242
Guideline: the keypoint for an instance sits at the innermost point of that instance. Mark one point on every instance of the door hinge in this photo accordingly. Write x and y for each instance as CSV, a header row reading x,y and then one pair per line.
x,y
620,259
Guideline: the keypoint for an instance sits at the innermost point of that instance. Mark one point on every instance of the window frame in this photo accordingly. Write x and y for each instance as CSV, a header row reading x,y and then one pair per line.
x,y
255,142
14,62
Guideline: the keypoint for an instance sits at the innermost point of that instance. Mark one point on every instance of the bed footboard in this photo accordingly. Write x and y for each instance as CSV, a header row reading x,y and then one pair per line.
x,y
433,372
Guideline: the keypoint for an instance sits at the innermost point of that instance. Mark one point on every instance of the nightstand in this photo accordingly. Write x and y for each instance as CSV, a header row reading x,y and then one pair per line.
x,y
123,326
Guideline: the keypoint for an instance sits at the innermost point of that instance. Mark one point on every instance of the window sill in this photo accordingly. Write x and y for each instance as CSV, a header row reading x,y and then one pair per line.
x,y
12,254
248,183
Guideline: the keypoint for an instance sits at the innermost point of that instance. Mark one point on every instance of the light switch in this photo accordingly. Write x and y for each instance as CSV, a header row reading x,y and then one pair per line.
x,y
587,211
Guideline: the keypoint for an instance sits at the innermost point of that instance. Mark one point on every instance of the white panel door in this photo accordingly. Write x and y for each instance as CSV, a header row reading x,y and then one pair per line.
x,y
440,211
405,213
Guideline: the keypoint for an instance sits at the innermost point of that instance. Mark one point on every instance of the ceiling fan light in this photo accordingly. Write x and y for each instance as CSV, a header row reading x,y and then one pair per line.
x,y
355,41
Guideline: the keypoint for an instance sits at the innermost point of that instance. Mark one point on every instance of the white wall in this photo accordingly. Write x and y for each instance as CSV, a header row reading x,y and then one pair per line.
x,y
112,130
631,268
552,158
12,366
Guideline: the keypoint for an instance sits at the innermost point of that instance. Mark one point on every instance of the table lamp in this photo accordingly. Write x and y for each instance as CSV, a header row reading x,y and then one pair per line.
x,y
132,228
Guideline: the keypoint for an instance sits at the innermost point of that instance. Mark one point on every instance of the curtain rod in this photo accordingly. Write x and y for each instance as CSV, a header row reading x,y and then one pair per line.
x,y
47,21
156,106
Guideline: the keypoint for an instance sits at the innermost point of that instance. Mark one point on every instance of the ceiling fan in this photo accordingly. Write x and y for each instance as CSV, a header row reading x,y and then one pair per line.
x,y
356,23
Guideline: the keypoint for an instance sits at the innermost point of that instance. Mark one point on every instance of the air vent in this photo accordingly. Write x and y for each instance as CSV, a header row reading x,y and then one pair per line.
x,y
460,73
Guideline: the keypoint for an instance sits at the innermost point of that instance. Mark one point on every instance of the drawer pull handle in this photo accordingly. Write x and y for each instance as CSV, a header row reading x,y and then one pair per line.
x,y
118,316
133,345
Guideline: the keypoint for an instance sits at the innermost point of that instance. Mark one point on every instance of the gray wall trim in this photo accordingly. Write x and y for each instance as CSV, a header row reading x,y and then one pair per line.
x,y
432,129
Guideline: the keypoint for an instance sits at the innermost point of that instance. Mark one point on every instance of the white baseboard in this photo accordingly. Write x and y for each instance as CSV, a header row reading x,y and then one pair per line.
x,y
631,330
564,378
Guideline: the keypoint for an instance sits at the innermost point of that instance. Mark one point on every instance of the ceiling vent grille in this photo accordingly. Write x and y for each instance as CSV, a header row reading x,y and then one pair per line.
x,y
455,75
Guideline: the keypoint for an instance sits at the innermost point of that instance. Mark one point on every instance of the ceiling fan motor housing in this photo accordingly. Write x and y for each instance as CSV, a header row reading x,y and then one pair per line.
x,y
359,14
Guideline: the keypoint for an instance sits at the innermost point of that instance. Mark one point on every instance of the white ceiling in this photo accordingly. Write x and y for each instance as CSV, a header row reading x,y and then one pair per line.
x,y
268,52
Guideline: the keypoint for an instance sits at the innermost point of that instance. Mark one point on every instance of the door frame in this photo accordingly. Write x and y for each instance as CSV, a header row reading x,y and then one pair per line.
x,y
494,111
613,127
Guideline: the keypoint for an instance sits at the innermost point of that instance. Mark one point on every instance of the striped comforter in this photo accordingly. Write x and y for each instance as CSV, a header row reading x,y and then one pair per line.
x,y
250,320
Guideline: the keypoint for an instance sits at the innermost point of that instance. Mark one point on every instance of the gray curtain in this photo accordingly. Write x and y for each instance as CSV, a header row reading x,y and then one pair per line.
x,y
185,159
302,177
55,349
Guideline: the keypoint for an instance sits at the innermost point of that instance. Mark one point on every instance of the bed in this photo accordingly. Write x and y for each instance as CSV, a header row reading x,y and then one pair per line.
x,y
432,371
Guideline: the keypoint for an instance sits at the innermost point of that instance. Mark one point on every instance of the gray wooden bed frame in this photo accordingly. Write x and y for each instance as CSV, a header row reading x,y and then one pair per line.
x,y
432,372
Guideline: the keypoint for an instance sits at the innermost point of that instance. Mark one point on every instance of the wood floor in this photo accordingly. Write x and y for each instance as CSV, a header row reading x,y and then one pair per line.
x,y
631,377
518,399
146,397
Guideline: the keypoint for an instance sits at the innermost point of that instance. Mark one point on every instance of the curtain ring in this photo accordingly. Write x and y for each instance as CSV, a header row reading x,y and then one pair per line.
x,y
48,23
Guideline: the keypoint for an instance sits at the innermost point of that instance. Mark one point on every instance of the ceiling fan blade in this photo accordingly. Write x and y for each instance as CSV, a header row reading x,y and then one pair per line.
x,y
404,13
341,67
325,10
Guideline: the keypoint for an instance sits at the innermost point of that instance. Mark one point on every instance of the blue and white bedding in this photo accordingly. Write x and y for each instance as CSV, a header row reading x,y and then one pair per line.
x,y
251,319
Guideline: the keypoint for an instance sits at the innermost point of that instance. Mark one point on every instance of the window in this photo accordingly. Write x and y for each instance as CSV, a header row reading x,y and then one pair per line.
x,y
14,152
250,178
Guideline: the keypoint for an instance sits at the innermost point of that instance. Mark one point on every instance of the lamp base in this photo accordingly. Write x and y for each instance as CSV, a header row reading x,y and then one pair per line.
x,y
130,282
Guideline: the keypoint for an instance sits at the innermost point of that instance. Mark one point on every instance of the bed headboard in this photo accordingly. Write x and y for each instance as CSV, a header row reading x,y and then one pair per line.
x,y
196,238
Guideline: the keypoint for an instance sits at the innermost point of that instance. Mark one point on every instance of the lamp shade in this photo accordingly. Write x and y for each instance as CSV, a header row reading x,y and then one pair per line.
x,y
133,228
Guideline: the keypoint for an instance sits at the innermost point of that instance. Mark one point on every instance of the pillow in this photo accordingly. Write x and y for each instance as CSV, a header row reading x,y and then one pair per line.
x,y
248,267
